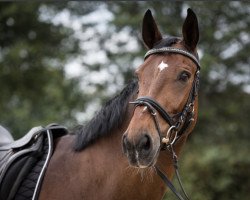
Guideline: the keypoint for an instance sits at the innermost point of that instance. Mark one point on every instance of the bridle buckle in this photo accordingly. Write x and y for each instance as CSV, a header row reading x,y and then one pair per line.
x,y
166,140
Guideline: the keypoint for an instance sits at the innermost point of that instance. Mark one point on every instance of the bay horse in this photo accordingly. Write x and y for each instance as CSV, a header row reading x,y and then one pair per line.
x,y
133,139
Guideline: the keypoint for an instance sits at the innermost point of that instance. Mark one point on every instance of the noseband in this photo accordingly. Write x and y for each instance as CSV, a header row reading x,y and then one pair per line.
x,y
178,123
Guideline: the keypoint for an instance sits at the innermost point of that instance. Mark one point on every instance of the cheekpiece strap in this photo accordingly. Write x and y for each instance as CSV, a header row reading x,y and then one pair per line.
x,y
173,50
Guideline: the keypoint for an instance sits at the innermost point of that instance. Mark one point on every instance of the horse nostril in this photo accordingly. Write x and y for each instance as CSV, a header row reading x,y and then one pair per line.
x,y
145,143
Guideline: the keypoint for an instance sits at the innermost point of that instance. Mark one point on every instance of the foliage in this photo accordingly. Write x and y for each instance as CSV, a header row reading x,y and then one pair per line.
x,y
36,90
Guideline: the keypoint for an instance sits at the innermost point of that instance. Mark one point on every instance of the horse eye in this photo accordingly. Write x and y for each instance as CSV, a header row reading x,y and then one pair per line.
x,y
184,76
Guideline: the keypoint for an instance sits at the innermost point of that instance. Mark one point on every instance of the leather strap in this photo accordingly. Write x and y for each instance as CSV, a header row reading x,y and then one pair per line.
x,y
144,100
174,50
168,183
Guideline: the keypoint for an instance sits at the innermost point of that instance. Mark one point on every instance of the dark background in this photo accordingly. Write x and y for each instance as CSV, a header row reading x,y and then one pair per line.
x,y
60,61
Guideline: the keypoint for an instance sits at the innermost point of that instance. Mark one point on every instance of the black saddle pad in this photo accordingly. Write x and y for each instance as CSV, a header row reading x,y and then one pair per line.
x,y
29,183
24,176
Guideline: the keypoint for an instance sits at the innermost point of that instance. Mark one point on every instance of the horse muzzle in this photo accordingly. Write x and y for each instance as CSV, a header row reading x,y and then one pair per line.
x,y
141,151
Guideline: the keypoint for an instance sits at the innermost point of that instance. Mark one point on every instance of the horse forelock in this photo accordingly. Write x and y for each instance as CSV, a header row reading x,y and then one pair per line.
x,y
167,42
110,117
170,41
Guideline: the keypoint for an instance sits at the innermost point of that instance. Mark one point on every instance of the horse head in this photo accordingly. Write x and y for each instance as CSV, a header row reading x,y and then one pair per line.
x,y
166,107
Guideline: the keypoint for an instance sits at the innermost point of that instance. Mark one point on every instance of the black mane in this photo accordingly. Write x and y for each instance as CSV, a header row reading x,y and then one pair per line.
x,y
107,119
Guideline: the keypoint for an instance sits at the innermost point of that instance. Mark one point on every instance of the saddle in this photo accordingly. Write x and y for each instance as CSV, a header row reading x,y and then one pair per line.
x,y
23,162
5,136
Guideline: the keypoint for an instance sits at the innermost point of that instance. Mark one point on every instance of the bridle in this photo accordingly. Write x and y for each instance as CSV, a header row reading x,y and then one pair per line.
x,y
184,118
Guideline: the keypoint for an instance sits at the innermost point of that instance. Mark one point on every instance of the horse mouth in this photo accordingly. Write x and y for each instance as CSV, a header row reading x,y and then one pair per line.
x,y
138,160
141,156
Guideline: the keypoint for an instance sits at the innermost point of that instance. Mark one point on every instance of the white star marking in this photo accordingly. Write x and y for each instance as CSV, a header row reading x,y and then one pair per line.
x,y
162,66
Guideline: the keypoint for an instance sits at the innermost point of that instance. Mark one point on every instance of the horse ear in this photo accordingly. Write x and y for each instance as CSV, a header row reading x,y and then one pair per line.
x,y
190,30
150,31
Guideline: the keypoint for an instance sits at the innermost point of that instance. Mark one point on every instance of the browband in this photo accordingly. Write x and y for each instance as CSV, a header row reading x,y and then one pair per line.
x,y
173,50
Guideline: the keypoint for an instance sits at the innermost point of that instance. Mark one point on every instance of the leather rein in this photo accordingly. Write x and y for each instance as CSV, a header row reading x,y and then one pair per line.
x,y
177,127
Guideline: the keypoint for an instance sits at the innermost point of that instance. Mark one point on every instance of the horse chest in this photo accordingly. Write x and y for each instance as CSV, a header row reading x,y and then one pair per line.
x,y
95,178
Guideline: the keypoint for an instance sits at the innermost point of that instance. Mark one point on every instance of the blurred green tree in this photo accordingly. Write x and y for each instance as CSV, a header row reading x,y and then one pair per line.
x,y
35,90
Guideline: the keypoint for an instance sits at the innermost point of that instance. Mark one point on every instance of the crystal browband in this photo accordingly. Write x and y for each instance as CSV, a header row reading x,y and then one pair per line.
x,y
173,50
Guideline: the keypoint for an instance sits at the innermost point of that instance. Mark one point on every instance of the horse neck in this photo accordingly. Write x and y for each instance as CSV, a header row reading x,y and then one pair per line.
x,y
116,177
142,183
127,182
102,171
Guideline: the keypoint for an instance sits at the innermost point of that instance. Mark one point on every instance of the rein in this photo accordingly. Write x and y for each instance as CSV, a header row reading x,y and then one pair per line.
x,y
177,127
